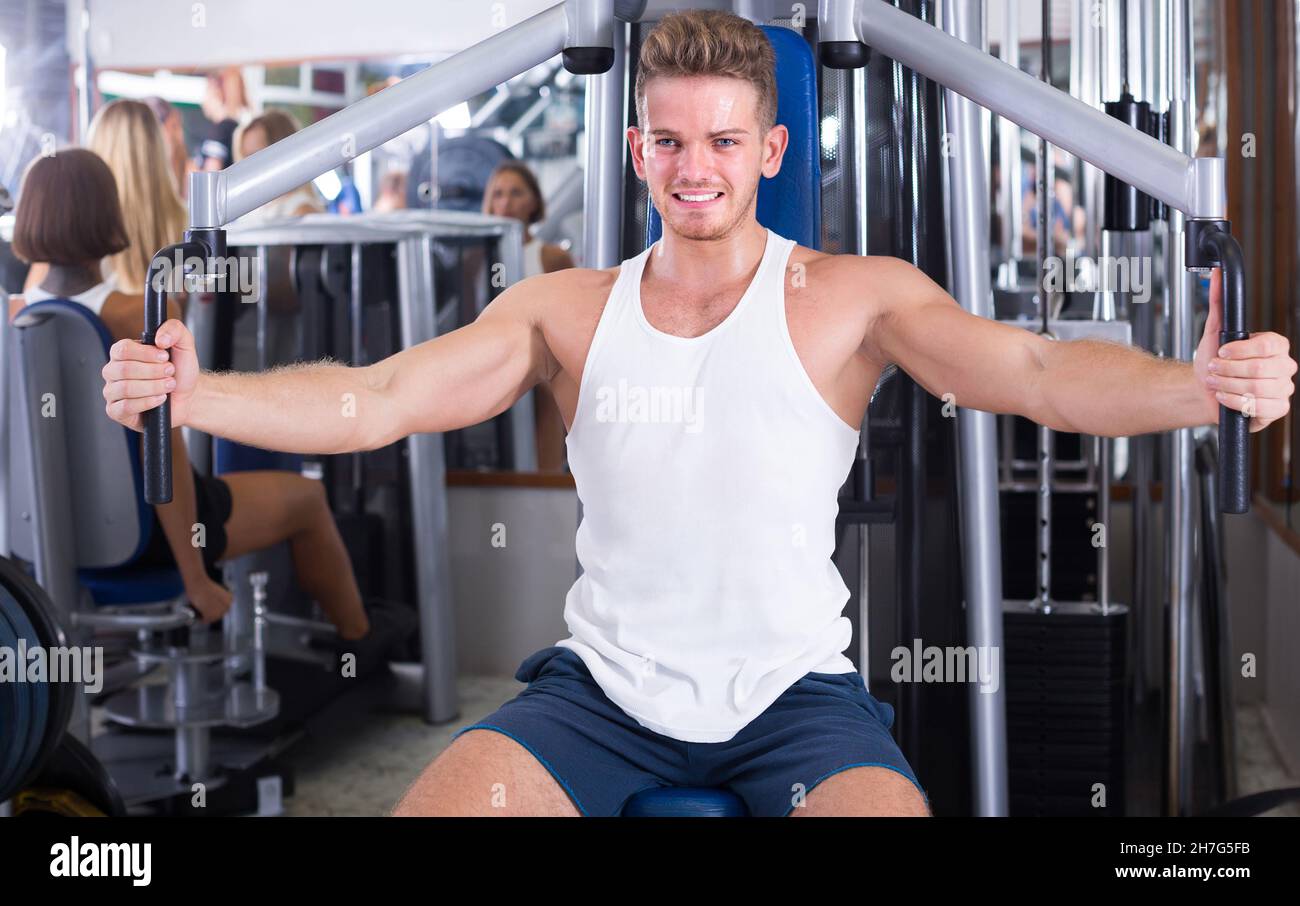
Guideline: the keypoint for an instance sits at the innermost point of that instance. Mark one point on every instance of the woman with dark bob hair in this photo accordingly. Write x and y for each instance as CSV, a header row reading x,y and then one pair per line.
x,y
68,215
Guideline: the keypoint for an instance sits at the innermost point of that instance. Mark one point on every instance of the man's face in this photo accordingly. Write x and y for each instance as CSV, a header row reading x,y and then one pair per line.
x,y
701,153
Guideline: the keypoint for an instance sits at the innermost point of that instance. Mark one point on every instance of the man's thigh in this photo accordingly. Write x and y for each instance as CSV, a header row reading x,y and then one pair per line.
x,y
484,773
559,747
823,747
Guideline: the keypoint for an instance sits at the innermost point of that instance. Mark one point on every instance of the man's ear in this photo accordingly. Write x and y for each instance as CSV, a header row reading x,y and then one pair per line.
x,y
636,147
774,145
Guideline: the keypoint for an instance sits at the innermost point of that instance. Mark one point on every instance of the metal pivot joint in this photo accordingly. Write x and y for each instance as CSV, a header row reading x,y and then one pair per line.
x,y
589,36
1209,244
839,45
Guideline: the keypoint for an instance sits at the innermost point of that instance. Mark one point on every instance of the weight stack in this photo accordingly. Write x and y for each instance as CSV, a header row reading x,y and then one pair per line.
x,y
1065,674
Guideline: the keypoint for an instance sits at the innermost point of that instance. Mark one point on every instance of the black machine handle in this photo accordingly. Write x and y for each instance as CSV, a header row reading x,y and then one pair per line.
x,y
1210,244
156,423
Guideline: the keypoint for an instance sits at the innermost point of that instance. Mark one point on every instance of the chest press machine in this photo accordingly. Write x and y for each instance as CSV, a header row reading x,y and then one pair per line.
x,y
589,35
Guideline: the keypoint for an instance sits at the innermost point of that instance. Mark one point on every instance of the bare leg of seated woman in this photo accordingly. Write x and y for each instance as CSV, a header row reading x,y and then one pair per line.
x,y
270,507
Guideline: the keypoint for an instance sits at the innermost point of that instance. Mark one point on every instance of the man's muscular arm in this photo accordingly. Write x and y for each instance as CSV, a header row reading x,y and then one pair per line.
x,y
920,328
452,381
1084,386
469,375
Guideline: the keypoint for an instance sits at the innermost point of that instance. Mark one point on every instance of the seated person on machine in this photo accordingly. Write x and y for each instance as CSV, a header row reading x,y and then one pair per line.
x,y
68,215
707,628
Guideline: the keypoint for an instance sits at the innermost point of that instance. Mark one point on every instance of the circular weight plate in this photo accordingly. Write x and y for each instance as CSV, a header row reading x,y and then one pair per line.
x,y
74,767
38,692
464,166
15,711
50,630
152,708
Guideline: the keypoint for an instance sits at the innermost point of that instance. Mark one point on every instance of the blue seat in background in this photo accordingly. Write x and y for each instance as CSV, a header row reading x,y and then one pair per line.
x,y
789,204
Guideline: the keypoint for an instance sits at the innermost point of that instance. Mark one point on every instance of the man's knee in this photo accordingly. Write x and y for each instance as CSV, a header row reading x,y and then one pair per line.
x,y
485,773
865,791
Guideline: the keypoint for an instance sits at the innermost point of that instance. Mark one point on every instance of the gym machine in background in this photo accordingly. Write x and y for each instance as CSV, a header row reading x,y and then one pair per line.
x,y
1191,185
583,31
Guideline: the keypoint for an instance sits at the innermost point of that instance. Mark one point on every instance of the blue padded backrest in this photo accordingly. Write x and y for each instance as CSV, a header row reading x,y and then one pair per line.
x,y
789,203
62,348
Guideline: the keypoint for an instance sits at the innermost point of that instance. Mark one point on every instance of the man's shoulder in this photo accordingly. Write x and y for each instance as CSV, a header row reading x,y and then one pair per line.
x,y
561,294
846,275
574,282
847,265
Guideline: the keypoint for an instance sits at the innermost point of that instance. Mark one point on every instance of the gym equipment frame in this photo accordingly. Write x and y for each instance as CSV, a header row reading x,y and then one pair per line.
x,y
584,32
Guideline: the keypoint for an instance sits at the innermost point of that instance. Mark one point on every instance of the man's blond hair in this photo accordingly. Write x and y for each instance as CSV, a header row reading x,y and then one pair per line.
x,y
703,42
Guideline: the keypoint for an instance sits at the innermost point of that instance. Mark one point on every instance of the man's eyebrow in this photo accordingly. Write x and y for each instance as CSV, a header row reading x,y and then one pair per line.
x,y
736,131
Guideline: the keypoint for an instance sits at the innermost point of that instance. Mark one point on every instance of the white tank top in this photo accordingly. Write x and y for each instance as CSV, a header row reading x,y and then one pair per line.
x,y
92,298
709,469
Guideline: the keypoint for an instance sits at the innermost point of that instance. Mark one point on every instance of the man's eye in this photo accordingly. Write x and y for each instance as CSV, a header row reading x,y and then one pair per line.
x,y
662,140
732,140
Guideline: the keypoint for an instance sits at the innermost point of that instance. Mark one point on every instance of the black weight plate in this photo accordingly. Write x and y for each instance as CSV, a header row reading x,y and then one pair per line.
x,y
41,612
38,692
15,712
75,767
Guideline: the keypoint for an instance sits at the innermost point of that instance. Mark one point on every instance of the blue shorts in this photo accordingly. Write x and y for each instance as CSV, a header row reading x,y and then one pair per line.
x,y
823,724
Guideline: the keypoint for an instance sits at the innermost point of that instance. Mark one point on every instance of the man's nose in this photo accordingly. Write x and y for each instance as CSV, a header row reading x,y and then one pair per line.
x,y
695,164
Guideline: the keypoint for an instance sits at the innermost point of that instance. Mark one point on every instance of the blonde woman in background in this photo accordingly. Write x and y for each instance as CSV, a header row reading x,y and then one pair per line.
x,y
512,191
127,136
260,132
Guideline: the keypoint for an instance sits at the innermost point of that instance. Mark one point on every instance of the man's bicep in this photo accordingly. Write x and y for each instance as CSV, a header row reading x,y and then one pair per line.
x,y
461,378
947,350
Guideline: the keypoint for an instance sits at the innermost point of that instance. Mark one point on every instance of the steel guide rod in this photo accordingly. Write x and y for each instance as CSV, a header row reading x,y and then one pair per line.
x,y
977,433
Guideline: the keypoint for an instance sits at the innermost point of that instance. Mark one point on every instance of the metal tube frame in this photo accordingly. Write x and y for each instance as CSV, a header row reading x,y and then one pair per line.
x,y
977,431
1193,186
1180,290
1009,153
606,117
426,475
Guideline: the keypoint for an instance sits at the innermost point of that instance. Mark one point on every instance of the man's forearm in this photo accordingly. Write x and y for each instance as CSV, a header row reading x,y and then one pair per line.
x,y
317,408
1112,390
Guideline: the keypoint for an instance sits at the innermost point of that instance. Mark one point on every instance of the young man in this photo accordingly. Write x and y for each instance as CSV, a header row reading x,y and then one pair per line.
x,y
713,387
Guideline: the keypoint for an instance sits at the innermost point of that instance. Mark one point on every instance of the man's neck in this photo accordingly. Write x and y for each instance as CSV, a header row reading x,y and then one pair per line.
x,y
687,262
66,280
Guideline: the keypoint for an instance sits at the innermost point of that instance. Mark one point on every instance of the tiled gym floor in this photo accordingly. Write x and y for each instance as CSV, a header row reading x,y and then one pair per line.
x,y
361,764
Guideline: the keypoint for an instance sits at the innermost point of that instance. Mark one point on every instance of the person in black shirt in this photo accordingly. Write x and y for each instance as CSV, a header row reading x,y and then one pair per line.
x,y
223,105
